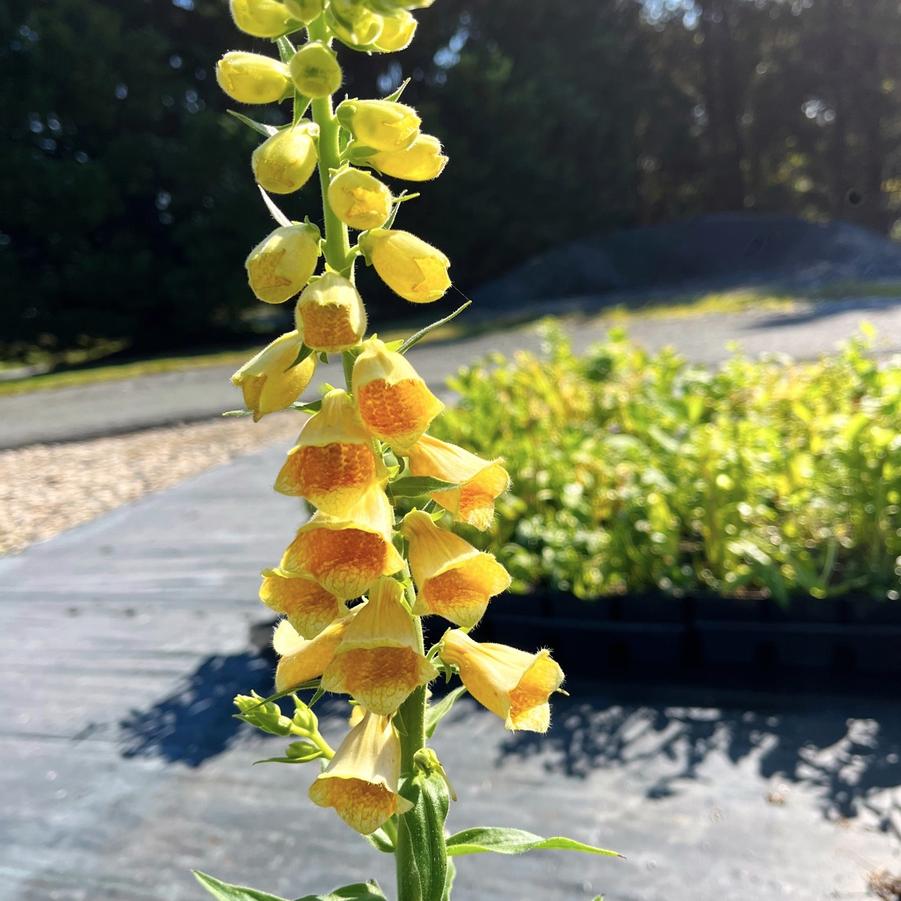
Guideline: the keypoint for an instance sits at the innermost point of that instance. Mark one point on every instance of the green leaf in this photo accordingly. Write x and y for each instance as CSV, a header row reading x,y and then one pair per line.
x,y
395,94
274,211
381,841
266,130
314,406
302,354
286,49
296,752
359,891
499,840
424,826
414,486
415,339
225,892
437,711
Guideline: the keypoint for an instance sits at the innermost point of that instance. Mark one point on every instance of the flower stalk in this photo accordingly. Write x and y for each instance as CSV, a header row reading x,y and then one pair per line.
x,y
379,552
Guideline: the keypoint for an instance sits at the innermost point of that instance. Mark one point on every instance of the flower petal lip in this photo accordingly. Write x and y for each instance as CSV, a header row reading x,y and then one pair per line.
x,y
284,162
359,199
394,402
361,780
306,604
282,263
302,660
347,554
421,161
252,77
511,683
409,266
334,462
479,482
269,382
379,661
260,18
330,314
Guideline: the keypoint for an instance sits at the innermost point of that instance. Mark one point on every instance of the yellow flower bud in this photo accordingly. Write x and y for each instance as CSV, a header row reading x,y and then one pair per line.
x,y
353,23
346,554
308,606
304,10
330,314
361,780
407,265
334,462
380,124
315,70
359,199
303,660
479,482
252,77
284,163
397,32
454,579
394,402
283,262
260,18
378,661
512,684
269,382
421,161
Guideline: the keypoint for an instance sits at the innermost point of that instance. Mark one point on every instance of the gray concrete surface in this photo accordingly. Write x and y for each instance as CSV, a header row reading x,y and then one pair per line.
x,y
124,640
131,404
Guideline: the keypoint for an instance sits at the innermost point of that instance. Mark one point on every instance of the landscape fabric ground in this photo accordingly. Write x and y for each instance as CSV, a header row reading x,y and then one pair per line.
x,y
124,640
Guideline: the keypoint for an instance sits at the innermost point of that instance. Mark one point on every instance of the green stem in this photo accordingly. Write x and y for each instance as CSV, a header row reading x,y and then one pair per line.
x,y
412,738
337,243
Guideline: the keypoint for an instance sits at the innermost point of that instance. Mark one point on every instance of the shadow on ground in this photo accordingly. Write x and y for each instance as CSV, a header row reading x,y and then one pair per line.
x,y
196,721
823,310
850,756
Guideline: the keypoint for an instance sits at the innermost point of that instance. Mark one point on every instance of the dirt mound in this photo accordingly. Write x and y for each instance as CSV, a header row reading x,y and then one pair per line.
x,y
722,251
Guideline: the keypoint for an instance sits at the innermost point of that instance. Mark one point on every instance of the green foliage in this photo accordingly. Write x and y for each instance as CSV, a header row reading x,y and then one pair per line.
x,y
360,891
634,472
500,840
423,829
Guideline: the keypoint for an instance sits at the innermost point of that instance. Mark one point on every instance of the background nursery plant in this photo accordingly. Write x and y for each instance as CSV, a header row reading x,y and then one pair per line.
x,y
357,580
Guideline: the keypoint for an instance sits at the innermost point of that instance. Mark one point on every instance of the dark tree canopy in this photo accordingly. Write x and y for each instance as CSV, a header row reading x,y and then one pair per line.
x,y
127,206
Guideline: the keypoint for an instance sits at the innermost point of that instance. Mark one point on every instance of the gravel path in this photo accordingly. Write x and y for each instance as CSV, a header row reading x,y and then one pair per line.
x,y
45,489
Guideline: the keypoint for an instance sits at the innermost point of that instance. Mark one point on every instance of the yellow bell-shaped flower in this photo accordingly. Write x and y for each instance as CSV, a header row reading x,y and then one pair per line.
x,y
359,199
315,70
307,605
398,29
283,262
361,780
395,404
252,77
260,18
407,265
479,482
305,11
353,22
379,661
346,554
380,124
510,683
330,314
269,382
334,462
300,660
421,161
454,579
284,162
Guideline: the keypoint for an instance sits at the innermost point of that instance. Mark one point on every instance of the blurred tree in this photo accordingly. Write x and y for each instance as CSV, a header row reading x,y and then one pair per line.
x,y
127,207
